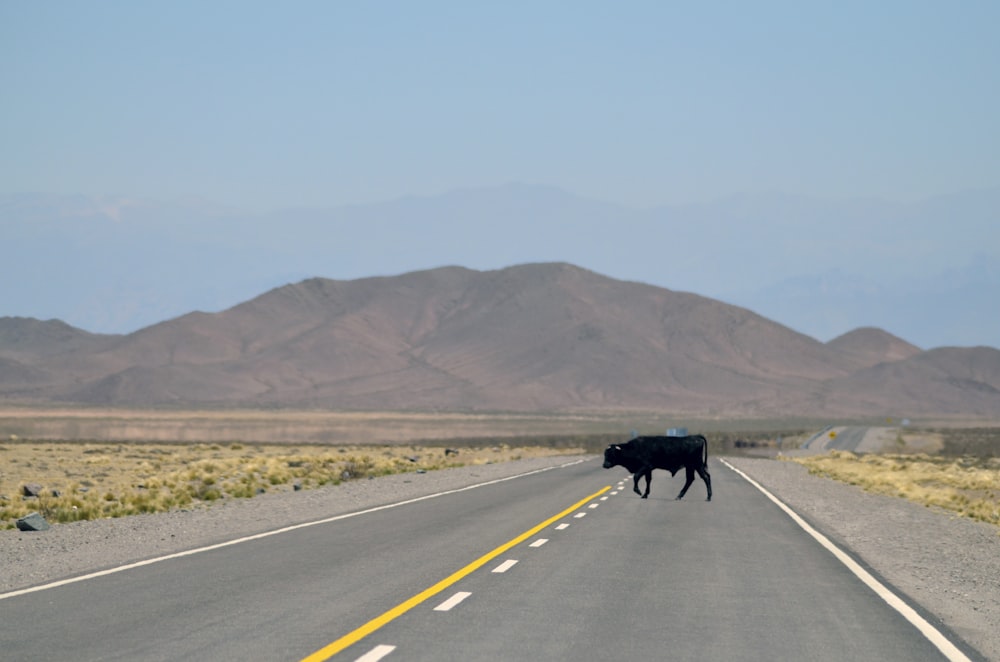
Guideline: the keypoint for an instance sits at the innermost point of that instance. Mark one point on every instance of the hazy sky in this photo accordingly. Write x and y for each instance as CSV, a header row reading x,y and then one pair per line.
x,y
268,105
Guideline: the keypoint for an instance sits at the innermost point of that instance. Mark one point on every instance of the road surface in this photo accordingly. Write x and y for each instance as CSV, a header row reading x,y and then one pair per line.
x,y
566,564
857,439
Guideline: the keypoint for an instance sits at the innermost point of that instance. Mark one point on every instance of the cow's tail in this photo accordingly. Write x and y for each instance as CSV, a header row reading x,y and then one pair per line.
x,y
704,450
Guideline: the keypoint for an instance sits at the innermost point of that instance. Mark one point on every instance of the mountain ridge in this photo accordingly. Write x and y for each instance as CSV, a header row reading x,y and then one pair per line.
x,y
819,266
532,337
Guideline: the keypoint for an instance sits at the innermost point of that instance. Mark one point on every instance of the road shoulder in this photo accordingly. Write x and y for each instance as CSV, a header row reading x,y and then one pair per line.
x,y
948,565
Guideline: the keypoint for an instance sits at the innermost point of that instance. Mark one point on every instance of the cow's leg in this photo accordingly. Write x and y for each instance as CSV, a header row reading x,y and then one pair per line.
x,y
688,479
705,476
649,477
635,482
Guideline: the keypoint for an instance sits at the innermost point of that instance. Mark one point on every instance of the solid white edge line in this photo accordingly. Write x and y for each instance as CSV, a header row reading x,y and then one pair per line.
x,y
451,602
948,649
267,534
376,654
505,566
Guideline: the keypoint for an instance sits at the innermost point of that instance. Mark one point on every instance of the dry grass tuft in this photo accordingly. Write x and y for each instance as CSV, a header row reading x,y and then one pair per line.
x,y
969,486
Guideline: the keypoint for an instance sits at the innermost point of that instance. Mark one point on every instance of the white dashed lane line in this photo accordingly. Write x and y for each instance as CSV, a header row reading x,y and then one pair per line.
x,y
505,566
354,636
452,601
376,653
381,651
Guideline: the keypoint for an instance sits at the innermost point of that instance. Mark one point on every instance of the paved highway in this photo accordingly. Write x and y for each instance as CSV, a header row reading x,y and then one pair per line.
x,y
849,438
566,564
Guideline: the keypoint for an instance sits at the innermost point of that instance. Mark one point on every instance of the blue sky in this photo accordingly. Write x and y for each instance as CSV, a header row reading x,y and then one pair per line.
x,y
269,105
816,135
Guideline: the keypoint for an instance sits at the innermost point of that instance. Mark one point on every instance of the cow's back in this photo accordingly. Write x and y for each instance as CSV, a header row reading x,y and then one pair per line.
x,y
672,453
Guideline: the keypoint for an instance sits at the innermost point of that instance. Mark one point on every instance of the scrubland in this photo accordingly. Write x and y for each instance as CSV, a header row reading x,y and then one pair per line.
x,y
95,463
83,481
182,460
964,477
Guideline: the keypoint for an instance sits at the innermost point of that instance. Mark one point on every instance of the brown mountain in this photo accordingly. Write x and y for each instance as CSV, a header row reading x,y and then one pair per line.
x,y
946,380
29,339
869,346
531,337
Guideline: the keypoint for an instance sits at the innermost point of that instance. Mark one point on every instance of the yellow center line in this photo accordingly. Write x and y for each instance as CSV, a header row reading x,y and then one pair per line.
x,y
335,647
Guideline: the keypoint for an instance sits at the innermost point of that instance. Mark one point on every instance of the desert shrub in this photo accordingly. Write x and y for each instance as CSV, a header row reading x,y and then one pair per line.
x,y
357,466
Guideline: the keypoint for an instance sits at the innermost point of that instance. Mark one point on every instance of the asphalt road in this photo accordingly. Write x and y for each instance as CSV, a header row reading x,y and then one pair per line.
x,y
731,579
847,438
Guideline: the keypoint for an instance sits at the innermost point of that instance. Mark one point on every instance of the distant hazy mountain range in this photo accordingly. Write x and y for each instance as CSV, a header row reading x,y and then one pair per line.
x,y
115,265
548,336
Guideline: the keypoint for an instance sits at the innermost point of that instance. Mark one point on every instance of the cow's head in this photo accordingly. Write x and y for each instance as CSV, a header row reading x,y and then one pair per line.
x,y
612,456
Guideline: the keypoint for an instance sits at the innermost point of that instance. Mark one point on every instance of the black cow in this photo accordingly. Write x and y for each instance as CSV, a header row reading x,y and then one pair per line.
x,y
643,454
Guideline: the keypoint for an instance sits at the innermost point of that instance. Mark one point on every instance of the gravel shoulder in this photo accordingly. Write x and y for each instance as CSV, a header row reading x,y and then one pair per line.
x,y
947,565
